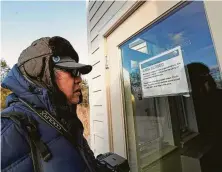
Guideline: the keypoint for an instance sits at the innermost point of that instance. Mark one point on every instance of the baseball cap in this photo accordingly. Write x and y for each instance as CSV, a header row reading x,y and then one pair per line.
x,y
59,49
66,62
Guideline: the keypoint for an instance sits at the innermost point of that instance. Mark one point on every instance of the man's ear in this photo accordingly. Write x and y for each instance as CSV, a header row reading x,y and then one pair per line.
x,y
58,73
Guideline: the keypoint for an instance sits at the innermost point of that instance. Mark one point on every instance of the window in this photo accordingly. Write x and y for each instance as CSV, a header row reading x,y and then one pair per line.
x,y
170,110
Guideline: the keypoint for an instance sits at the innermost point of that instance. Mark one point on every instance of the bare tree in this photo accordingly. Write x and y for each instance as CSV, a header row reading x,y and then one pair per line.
x,y
4,92
4,69
85,92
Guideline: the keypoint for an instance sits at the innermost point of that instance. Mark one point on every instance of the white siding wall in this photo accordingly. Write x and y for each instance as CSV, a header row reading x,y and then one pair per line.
x,y
101,16
214,10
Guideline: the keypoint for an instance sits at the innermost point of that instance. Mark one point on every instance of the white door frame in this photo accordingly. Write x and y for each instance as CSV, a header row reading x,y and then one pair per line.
x,y
126,28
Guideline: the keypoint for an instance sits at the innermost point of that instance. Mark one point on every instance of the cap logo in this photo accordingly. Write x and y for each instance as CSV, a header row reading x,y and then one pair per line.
x,y
56,59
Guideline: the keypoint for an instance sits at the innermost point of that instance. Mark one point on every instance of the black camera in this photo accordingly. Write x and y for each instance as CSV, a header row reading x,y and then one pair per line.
x,y
111,162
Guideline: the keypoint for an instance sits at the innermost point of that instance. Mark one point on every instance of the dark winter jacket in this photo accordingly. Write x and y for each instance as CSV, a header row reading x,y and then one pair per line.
x,y
15,150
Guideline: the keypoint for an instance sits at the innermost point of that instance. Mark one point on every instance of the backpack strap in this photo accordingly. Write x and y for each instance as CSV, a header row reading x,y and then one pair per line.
x,y
53,122
29,125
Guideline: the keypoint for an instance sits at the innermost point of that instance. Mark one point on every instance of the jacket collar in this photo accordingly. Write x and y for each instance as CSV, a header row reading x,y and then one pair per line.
x,y
36,96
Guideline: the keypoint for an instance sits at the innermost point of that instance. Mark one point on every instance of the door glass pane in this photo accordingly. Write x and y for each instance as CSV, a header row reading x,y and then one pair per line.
x,y
173,95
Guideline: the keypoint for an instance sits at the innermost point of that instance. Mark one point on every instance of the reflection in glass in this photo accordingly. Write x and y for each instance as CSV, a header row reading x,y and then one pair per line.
x,y
180,132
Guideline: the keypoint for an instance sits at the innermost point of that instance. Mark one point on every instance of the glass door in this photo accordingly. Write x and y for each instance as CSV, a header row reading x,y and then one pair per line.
x,y
173,94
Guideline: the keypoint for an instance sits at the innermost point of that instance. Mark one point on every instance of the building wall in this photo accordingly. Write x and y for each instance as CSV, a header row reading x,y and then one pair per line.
x,y
214,10
101,15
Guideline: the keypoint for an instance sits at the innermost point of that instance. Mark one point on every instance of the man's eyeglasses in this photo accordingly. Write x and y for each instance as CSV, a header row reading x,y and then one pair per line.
x,y
73,72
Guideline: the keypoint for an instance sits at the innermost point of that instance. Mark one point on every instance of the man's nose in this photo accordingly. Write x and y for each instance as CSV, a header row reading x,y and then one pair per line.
x,y
78,79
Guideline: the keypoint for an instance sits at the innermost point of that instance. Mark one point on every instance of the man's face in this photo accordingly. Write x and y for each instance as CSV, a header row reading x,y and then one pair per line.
x,y
69,85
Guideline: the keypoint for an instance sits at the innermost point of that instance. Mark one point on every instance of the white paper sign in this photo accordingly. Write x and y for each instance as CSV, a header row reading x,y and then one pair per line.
x,y
164,74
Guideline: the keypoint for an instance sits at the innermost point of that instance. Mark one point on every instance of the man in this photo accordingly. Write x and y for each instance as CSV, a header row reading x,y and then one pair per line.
x,y
45,79
207,100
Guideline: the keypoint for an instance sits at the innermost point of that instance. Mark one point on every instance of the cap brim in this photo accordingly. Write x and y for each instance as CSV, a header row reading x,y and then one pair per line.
x,y
83,69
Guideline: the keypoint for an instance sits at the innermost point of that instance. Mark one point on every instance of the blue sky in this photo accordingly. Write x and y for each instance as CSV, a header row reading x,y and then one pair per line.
x,y
191,32
25,21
